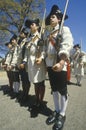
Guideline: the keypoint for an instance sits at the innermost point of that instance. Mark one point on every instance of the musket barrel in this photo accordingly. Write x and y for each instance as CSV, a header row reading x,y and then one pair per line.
x,y
62,22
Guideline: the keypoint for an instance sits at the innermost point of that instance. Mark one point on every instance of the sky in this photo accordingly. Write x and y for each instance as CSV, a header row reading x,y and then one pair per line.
x,y
76,21
76,12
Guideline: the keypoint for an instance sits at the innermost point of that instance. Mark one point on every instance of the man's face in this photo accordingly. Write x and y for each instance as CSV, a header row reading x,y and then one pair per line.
x,y
14,42
54,20
22,35
10,46
33,27
76,48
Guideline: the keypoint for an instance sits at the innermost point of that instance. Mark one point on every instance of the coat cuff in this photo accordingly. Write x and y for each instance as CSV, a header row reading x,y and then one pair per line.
x,y
66,53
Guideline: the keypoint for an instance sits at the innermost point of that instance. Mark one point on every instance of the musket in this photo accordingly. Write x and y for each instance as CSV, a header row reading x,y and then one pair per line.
x,y
40,42
31,41
63,18
81,52
41,32
20,32
58,38
62,22
80,45
43,24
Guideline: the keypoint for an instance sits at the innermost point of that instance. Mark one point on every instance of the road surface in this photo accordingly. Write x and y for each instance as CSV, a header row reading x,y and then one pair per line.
x,y
17,116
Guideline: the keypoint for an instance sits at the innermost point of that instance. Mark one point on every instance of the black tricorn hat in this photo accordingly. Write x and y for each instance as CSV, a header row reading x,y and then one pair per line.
x,y
77,45
54,11
24,30
28,22
7,43
13,37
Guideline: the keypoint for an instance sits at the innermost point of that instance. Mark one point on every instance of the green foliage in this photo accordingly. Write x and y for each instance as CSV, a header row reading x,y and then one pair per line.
x,y
13,14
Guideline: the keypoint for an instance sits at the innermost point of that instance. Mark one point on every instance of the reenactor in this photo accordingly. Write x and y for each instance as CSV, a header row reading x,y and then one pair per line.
x,y
78,64
22,66
58,50
35,55
7,62
14,68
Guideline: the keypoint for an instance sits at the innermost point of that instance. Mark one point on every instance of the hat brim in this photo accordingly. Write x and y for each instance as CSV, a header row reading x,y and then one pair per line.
x,y
24,30
76,46
29,22
6,44
13,37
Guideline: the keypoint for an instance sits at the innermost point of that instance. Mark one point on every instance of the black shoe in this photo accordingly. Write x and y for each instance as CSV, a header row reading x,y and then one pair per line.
x,y
52,118
59,123
36,104
68,82
79,84
14,95
24,98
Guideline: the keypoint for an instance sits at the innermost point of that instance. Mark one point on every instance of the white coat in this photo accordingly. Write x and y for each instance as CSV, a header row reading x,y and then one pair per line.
x,y
21,52
15,57
37,73
9,56
65,47
78,63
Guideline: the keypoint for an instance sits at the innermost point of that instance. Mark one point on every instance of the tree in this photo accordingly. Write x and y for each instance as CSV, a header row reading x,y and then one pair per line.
x,y
13,14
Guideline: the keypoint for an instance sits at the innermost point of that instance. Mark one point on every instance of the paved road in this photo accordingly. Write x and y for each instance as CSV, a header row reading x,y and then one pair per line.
x,y
16,116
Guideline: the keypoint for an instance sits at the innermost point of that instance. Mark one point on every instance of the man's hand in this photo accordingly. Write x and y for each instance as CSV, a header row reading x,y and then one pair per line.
x,y
59,66
38,60
4,66
21,66
10,67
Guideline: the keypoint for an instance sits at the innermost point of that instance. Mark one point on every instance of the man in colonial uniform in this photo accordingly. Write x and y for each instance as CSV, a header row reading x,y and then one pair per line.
x,y
14,68
78,64
58,51
35,59
8,59
21,66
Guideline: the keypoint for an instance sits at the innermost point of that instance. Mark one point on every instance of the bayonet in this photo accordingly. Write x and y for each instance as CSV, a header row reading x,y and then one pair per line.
x,y
43,24
62,22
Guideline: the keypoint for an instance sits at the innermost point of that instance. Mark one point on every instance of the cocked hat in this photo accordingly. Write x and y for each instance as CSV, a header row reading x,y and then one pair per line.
x,y
28,22
13,37
54,11
77,45
7,43
24,30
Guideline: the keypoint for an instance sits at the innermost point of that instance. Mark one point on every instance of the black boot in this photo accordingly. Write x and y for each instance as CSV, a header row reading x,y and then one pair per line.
x,y
52,118
59,123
